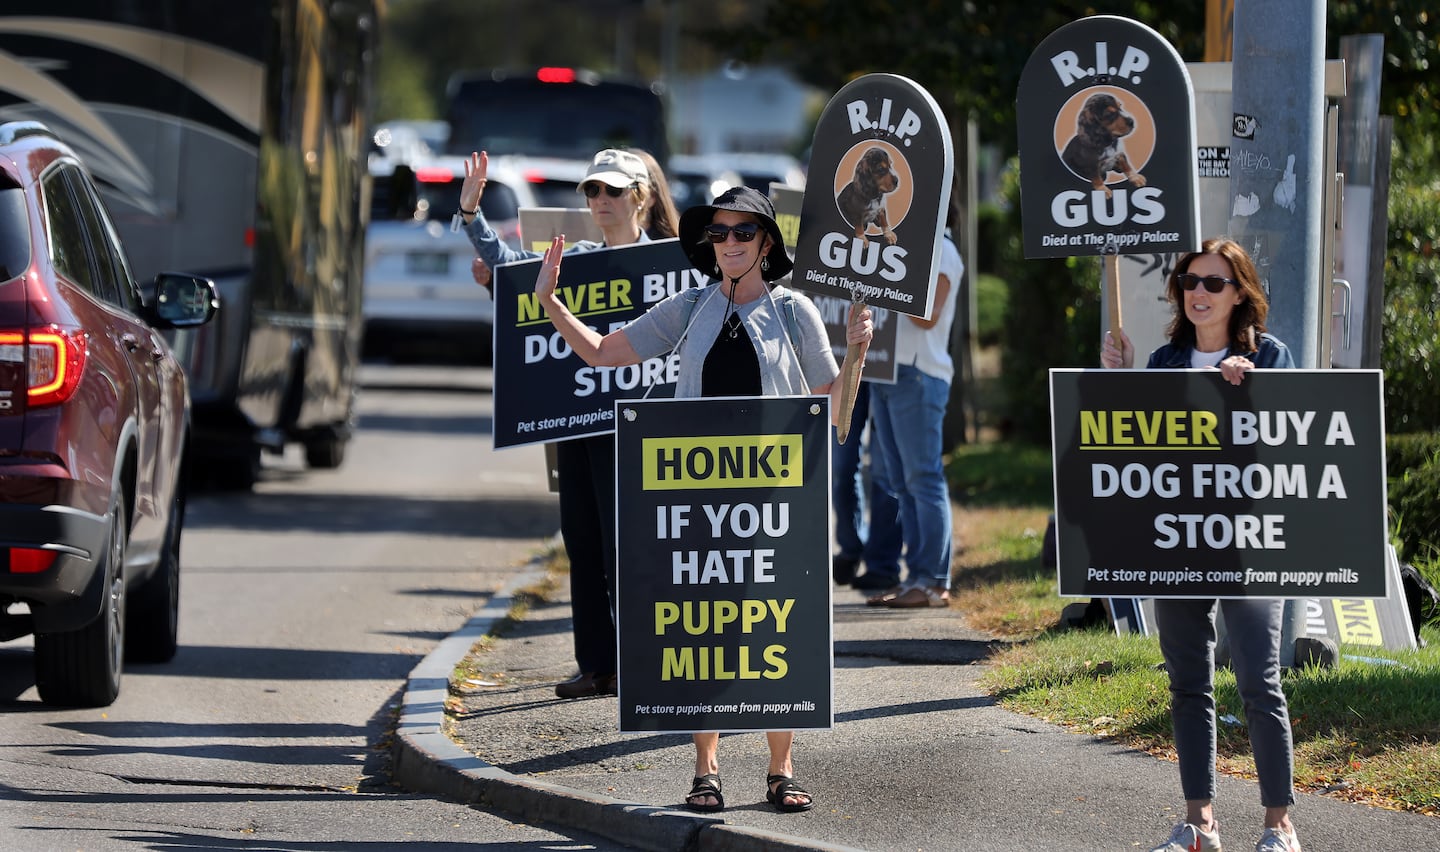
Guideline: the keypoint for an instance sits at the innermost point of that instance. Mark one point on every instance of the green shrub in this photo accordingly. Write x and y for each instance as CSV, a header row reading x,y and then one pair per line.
x,y
1415,509
1052,320
992,297
1410,450
1410,341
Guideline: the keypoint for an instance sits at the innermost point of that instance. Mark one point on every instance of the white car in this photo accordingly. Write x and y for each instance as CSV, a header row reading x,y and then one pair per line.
x,y
421,300
758,171
697,180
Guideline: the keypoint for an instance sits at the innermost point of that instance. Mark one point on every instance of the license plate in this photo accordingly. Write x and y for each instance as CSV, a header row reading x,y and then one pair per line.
x,y
427,263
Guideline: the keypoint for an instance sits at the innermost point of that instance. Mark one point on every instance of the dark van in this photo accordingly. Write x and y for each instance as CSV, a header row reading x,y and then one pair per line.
x,y
564,113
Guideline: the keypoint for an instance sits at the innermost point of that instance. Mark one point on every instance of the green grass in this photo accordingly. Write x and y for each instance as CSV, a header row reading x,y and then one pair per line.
x,y
1001,475
1363,731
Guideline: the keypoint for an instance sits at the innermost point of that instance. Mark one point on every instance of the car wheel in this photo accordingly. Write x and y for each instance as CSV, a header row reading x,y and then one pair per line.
x,y
326,452
153,629
81,668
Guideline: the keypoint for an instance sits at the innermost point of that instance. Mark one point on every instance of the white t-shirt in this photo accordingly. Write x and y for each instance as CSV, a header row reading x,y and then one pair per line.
x,y
929,348
1200,360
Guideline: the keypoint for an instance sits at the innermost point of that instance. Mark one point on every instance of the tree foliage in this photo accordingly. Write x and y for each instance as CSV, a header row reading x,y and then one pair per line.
x,y
967,54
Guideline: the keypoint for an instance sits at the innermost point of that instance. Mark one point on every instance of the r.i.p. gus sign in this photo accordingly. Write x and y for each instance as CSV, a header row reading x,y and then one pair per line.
x,y
1107,139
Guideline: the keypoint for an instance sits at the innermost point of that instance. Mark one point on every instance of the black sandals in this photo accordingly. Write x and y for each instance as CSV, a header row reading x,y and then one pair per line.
x,y
705,786
779,787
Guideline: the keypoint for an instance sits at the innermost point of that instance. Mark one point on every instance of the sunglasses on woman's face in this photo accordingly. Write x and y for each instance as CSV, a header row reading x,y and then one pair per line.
x,y
744,232
592,190
1213,283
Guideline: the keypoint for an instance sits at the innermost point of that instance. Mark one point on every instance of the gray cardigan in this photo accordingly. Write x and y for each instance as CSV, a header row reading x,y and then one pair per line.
x,y
661,328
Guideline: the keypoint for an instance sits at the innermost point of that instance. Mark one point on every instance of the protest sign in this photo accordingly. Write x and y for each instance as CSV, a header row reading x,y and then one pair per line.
x,y
1107,151
723,554
540,225
881,168
543,390
1175,483
880,357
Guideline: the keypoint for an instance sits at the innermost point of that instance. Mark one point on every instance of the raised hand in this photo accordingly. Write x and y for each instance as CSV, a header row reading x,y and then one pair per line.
x,y
476,166
549,273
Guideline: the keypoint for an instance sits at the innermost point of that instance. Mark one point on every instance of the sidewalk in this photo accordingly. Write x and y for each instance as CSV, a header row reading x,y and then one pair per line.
x,y
919,757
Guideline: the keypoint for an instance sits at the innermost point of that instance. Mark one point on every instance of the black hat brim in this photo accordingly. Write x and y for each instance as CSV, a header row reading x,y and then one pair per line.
x,y
702,254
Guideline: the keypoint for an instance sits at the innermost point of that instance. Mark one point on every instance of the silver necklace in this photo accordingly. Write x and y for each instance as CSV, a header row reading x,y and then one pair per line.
x,y
733,323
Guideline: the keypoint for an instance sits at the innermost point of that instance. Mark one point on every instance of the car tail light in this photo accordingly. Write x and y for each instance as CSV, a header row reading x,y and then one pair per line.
x,y
30,560
556,75
54,362
434,174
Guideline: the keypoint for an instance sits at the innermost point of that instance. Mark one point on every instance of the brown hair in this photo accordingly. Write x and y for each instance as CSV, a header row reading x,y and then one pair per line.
x,y
658,216
1247,321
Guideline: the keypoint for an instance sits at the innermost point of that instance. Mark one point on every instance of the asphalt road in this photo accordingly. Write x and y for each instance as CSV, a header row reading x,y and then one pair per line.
x,y
303,607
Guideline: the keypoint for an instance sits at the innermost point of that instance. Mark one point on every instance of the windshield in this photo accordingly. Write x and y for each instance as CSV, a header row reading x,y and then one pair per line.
x,y
573,121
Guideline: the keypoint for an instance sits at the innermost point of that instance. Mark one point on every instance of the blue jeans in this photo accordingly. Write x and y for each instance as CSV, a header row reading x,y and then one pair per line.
x,y
1187,640
877,540
906,420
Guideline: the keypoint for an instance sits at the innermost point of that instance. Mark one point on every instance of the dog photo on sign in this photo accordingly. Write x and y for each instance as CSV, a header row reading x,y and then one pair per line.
x,y
863,200
1098,147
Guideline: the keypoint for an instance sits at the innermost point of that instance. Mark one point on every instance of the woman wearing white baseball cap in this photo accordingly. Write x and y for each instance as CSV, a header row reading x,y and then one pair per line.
x,y
621,195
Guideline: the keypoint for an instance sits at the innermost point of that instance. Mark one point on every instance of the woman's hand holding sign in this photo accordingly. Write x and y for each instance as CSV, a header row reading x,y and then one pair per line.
x,y
860,329
1234,368
1115,354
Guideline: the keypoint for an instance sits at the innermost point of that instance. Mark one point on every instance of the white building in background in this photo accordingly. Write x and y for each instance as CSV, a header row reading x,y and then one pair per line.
x,y
741,108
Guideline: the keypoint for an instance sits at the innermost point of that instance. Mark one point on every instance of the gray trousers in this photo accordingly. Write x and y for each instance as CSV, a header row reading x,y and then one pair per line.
x,y
1187,639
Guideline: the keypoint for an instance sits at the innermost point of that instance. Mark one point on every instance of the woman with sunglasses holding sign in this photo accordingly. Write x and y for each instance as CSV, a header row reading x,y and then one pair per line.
x,y
1220,311
734,340
621,195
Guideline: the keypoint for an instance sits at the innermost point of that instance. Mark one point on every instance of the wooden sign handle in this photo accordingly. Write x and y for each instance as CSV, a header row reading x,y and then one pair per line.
x,y
1112,292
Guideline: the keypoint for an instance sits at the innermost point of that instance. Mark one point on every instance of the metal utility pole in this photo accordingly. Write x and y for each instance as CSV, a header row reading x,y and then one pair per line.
x,y
1277,179
1277,172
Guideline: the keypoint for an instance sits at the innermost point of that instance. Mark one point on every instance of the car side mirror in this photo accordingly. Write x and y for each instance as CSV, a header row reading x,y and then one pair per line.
x,y
183,301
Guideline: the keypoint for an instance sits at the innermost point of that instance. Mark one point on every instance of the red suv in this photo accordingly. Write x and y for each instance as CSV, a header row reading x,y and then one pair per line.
x,y
94,429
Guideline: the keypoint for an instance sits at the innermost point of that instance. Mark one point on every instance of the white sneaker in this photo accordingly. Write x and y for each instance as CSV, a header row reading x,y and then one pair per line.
x,y
1278,840
1188,837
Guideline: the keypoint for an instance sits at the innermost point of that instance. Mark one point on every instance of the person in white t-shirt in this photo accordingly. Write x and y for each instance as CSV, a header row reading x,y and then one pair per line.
x,y
905,422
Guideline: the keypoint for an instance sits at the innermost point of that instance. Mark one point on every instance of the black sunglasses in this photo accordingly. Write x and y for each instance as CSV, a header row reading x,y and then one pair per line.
x,y
744,232
592,190
1213,283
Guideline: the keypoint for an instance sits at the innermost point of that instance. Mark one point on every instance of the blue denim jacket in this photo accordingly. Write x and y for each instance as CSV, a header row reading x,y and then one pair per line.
x,y
1272,354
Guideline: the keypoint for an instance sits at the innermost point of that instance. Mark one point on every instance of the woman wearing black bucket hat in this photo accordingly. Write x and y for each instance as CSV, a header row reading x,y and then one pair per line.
x,y
738,338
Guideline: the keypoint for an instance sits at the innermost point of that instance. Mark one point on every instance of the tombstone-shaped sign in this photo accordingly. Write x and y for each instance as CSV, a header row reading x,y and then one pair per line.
x,y
880,357
875,197
1105,114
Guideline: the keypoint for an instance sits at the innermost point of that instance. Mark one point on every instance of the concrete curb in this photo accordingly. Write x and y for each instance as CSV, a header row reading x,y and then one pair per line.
x,y
425,760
